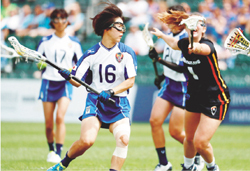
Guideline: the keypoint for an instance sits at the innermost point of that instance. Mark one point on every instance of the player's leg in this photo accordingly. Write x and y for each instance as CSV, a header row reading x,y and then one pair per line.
x,y
89,130
62,107
203,135
48,108
191,122
159,113
121,132
176,124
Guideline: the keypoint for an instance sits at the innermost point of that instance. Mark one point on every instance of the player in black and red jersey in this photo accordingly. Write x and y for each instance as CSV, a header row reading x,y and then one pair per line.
x,y
208,95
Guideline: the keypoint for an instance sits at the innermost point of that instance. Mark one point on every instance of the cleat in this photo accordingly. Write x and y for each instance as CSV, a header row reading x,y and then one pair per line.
x,y
53,157
57,167
215,168
199,162
191,168
161,167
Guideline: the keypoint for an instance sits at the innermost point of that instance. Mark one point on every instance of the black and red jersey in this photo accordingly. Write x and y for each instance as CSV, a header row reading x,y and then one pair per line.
x,y
205,81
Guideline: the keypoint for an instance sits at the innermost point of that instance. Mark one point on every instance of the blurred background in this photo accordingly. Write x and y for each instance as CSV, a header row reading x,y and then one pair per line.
x,y
28,20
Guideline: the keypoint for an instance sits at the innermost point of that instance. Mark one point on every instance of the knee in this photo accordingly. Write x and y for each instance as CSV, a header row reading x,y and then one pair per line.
x,y
175,133
59,119
49,126
86,143
154,122
200,144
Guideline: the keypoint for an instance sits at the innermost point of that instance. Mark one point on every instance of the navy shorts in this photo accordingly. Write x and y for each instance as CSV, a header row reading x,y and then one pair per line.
x,y
174,92
107,112
51,91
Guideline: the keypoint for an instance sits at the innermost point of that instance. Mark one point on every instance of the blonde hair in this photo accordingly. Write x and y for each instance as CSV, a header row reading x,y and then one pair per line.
x,y
174,18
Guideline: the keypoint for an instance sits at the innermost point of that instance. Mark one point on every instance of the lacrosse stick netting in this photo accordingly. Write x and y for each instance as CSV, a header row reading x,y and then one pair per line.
x,y
237,43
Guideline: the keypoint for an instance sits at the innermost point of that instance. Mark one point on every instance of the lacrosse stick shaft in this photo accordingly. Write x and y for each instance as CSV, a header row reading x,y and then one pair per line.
x,y
77,80
192,39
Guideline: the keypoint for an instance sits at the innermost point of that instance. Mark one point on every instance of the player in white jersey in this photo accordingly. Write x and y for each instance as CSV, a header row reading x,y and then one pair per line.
x,y
110,68
64,51
171,97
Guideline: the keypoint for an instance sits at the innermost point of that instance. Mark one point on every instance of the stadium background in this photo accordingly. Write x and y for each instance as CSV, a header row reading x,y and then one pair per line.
x,y
20,85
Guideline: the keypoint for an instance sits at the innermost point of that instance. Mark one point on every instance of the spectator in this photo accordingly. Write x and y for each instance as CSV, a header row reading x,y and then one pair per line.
x,y
138,11
134,39
38,17
6,8
230,16
13,20
44,28
25,21
153,8
76,19
186,7
243,17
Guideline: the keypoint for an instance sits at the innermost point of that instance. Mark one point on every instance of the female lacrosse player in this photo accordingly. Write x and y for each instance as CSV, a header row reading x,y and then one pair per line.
x,y
64,51
110,68
171,97
207,94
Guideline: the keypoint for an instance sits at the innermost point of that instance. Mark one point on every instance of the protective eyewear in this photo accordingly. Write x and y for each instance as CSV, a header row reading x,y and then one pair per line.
x,y
59,19
119,26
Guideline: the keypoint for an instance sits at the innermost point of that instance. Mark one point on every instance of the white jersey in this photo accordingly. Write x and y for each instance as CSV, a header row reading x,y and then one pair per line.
x,y
64,52
174,56
104,68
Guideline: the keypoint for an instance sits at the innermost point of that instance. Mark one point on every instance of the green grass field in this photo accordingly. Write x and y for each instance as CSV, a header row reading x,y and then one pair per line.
x,y
24,147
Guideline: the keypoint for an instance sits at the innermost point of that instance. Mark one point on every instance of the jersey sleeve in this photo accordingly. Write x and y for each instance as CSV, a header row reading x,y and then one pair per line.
x,y
131,65
210,44
80,70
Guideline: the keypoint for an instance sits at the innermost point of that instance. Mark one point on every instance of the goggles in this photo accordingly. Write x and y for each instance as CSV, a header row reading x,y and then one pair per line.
x,y
118,26
59,19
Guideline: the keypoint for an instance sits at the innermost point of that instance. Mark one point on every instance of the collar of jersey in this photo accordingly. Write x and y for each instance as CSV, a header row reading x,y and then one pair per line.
x,y
108,49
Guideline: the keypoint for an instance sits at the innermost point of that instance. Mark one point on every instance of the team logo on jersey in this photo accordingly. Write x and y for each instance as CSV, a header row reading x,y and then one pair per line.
x,y
74,68
119,57
70,45
213,110
87,109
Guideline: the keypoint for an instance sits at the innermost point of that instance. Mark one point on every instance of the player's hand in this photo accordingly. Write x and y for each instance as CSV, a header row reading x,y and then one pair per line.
x,y
196,48
158,81
157,32
105,95
65,74
153,54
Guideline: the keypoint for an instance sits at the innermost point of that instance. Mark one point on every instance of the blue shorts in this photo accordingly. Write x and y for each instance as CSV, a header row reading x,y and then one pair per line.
x,y
174,92
107,112
51,91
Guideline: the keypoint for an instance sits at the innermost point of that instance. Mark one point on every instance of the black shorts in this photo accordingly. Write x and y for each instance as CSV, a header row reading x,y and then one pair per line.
x,y
216,111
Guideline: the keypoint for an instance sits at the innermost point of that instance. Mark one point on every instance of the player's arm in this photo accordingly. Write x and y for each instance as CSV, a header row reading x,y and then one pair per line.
x,y
125,85
171,41
199,49
154,55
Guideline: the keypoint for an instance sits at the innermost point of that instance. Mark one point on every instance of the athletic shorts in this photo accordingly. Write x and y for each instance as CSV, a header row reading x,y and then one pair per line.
x,y
174,92
216,111
107,112
51,91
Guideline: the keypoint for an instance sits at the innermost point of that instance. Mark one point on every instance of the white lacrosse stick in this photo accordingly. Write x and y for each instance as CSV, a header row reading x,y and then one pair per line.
x,y
191,23
149,41
31,54
146,35
237,43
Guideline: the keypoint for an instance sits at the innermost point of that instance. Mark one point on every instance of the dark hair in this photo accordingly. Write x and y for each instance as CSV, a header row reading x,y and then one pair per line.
x,y
105,18
175,8
61,12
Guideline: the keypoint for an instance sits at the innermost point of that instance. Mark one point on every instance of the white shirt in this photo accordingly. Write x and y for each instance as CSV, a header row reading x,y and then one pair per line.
x,y
174,56
64,52
109,67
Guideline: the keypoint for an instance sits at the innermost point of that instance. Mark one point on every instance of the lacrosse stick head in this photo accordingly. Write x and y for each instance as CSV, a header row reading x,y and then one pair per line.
x,y
23,51
237,43
192,21
147,37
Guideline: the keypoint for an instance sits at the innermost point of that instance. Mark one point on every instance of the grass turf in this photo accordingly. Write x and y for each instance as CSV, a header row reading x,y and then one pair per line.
x,y
24,147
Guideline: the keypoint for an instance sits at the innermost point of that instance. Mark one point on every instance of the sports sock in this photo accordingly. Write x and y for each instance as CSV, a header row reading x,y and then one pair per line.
x,y
51,146
188,162
65,162
59,149
212,164
162,155
112,170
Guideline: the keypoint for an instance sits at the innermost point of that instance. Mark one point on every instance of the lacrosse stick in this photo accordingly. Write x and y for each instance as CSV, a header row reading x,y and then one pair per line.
x,y
191,23
237,43
9,53
148,39
28,53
